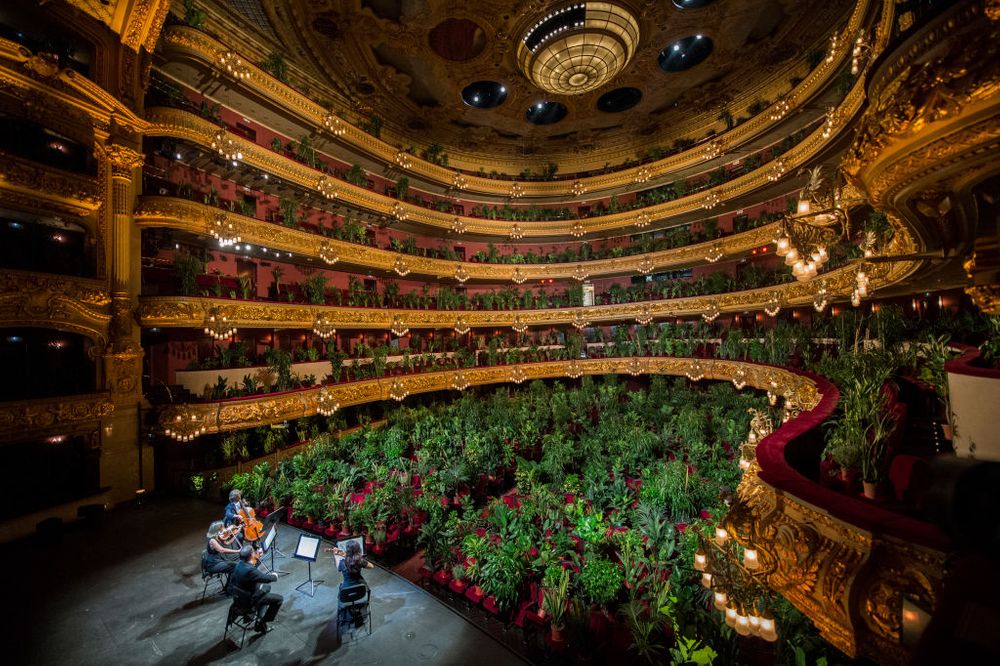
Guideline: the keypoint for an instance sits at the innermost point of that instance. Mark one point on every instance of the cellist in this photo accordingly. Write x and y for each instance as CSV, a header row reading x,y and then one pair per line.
x,y
232,514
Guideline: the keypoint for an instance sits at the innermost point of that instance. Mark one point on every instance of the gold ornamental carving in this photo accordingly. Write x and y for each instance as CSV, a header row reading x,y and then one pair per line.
x,y
158,211
31,417
39,186
227,415
123,160
74,304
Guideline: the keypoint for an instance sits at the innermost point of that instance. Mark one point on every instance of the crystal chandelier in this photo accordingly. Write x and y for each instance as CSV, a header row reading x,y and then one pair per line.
x,y
398,328
712,150
580,320
635,366
645,315
580,273
459,381
578,189
711,313
186,425
458,226
226,146
400,266
217,326
739,378
325,402
327,253
234,66
403,159
577,230
399,212
695,372
737,577
818,223
323,327
519,325
518,276
459,182
773,305
461,274
777,170
516,233
712,199
574,370
461,327
821,299
645,266
517,374
642,220
327,188
334,124
225,230
516,191
642,175
714,253
398,390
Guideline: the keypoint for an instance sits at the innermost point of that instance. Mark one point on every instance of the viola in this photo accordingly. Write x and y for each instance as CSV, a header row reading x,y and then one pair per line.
x,y
226,533
252,528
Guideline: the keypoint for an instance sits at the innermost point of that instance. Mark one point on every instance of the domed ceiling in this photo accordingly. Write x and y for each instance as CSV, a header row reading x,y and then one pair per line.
x,y
624,76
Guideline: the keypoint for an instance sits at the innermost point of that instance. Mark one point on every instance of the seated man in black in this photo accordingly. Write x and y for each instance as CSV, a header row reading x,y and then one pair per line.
x,y
247,581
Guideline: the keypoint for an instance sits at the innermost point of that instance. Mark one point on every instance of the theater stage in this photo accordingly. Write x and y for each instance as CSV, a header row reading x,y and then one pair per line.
x,y
128,592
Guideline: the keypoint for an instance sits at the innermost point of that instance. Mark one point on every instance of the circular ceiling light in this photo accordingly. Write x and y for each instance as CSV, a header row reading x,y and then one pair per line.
x,y
578,48
619,99
685,53
545,113
484,94
692,4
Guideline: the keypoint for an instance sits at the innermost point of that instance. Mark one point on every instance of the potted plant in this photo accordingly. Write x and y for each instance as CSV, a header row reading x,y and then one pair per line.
x,y
936,353
555,595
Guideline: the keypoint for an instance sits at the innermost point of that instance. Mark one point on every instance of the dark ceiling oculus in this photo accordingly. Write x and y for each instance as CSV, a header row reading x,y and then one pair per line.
x,y
619,99
545,113
579,47
484,94
685,53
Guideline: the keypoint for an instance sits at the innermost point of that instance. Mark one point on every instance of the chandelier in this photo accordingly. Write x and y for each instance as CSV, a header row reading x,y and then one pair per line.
x,y
861,284
516,191
518,276
580,320
642,175
635,366
461,274
458,226
226,146
323,327
334,124
821,299
403,159
327,253
861,50
580,273
714,253
398,328
186,425
461,327
831,122
400,266
780,109
577,229
761,426
712,199
327,188
517,374
737,576
832,53
578,48
773,305
645,315
645,266
712,150
574,370
217,326
399,212
325,403
695,372
459,381
711,313
777,170
225,230
642,220
459,182
234,66
398,390
819,221
739,378
519,325
578,189
516,233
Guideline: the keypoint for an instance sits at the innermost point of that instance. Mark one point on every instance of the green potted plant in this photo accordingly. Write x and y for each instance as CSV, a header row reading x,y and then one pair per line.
x,y
555,595
936,353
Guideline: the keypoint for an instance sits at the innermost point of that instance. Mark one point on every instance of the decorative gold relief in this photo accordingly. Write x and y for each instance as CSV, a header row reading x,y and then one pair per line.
x,y
38,186
74,304
31,417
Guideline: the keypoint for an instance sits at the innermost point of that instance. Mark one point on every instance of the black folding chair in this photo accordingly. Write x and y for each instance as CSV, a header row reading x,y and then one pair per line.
x,y
353,604
242,613
221,577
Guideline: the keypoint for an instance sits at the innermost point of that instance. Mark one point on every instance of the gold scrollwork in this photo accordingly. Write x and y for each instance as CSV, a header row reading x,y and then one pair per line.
x,y
75,304
31,416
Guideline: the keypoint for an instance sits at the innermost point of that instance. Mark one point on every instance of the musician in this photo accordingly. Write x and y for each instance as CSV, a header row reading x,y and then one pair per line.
x,y
252,584
233,508
352,564
222,548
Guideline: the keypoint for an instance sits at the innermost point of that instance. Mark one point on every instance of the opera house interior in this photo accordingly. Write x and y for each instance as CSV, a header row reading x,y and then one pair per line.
x,y
550,331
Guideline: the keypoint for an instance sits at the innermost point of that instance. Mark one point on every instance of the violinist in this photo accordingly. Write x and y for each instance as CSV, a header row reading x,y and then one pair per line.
x,y
222,548
252,585
351,565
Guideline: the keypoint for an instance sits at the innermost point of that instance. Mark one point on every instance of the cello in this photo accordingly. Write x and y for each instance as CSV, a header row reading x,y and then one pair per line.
x,y
252,528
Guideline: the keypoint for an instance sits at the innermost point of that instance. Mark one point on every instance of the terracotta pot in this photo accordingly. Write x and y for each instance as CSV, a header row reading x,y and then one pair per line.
x,y
870,489
557,634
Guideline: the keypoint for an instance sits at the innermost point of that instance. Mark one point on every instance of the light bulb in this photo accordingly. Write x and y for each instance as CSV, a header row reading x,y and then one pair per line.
x,y
699,560
721,535
783,245
750,560
731,616
742,625
792,256
720,600
804,207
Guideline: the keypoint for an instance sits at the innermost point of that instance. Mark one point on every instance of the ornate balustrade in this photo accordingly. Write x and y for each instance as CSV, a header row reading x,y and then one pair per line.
x,y
80,305
47,415
200,47
174,213
39,187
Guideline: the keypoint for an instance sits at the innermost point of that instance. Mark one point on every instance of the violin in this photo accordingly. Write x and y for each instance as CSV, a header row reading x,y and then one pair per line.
x,y
252,528
336,551
227,533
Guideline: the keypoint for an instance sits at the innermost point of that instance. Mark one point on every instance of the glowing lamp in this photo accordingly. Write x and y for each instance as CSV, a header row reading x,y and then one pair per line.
x,y
721,535
750,560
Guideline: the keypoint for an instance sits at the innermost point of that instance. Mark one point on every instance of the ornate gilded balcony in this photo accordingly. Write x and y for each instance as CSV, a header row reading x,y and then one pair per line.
x,y
45,415
35,186
38,299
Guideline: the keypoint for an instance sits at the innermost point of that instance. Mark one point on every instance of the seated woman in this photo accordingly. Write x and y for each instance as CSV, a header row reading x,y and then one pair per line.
x,y
352,564
222,548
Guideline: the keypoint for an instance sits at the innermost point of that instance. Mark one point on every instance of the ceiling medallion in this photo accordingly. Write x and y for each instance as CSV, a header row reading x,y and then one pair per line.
x,y
578,48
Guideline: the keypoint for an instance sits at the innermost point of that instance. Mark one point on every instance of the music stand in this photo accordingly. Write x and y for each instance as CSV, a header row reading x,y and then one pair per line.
x,y
274,518
269,539
307,549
